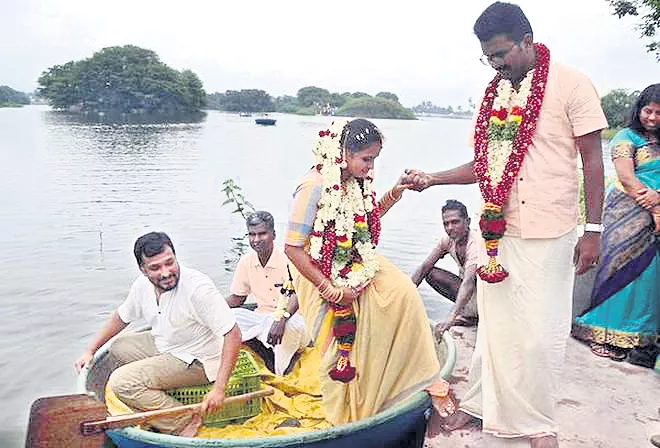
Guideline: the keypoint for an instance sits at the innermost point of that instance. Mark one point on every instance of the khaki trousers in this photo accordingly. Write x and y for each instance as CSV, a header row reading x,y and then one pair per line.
x,y
145,374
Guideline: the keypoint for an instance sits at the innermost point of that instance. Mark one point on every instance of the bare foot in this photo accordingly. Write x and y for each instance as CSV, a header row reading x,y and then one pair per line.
x,y
444,406
544,442
465,321
191,429
458,420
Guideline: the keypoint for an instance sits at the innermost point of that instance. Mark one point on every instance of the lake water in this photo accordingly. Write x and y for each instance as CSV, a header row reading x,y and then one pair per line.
x,y
75,195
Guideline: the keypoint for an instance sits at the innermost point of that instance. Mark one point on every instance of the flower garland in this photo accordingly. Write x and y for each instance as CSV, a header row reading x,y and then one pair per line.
x,y
504,130
344,238
287,291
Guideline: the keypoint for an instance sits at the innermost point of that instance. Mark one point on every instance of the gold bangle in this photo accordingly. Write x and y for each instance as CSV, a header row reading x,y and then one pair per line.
x,y
327,289
335,295
341,296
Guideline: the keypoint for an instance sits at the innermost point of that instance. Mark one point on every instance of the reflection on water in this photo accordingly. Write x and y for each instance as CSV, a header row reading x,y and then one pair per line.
x,y
119,118
76,193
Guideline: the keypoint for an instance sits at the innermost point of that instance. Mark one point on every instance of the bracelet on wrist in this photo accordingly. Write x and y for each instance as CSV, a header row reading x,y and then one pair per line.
x,y
592,227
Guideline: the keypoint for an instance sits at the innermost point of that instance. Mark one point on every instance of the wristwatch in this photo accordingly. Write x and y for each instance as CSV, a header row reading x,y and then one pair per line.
x,y
591,227
286,314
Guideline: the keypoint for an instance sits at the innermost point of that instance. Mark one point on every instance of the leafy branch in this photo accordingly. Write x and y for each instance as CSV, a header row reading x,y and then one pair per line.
x,y
235,196
649,13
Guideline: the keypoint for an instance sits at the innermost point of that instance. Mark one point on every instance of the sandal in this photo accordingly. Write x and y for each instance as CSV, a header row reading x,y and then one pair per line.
x,y
617,354
599,350
605,351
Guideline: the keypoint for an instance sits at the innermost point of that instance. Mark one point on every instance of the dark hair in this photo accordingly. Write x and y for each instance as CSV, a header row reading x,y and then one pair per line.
x,y
359,133
502,18
649,95
261,217
151,244
453,204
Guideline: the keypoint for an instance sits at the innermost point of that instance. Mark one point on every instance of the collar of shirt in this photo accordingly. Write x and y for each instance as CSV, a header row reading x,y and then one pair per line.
x,y
272,260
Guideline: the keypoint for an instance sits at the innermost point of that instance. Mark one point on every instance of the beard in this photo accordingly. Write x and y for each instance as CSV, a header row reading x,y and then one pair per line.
x,y
168,283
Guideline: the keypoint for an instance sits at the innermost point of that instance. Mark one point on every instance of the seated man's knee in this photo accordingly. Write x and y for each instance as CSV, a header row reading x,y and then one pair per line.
x,y
120,348
124,381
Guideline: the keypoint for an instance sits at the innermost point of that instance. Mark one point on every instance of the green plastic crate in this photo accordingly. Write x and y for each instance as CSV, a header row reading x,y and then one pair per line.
x,y
244,378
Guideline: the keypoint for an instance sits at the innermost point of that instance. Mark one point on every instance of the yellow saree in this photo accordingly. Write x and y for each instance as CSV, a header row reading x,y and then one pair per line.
x,y
393,352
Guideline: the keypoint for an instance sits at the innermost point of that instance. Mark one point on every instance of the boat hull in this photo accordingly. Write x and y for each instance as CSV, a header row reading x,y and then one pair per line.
x,y
265,121
403,425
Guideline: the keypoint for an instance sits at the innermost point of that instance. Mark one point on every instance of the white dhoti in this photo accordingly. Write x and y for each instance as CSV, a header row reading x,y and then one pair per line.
x,y
255,325
524,324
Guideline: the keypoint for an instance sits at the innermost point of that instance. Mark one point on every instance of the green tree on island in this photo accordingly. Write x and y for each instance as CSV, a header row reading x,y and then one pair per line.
x,y
388,96
308,96
248,100
125,79
375,107
12,98
617,106
286,104
312,100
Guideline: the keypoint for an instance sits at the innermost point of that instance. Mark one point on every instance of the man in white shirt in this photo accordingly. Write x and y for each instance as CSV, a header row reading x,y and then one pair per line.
x,y
193,340
461,244
273,330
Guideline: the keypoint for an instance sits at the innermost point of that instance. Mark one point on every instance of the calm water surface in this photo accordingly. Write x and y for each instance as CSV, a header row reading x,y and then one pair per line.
x,y
74,196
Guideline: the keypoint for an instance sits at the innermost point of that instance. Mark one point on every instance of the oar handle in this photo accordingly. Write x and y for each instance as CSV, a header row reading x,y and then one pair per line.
x,y
120,421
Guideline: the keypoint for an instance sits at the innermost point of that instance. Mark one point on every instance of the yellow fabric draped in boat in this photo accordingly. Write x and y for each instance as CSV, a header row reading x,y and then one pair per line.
x,y
297,396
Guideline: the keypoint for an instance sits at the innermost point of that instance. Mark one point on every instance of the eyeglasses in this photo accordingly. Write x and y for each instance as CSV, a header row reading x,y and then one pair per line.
x,y
500,55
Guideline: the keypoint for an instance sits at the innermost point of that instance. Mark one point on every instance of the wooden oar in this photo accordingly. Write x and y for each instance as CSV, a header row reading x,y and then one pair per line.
x,y
79,421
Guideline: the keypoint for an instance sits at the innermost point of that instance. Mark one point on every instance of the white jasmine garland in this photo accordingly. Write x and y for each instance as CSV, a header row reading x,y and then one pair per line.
x,y
507,98
341,203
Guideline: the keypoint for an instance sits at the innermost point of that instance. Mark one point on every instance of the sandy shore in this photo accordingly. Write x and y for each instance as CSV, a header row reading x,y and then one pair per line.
x,y
604,404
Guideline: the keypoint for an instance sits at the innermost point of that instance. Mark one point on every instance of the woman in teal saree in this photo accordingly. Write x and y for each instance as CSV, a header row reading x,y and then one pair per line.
x,y
625,302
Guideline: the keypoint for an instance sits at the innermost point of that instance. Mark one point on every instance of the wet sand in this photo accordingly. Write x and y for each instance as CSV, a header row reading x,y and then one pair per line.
x,y
604,404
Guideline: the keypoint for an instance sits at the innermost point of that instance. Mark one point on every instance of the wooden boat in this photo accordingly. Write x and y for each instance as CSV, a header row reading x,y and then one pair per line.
x,y
265,121
403,425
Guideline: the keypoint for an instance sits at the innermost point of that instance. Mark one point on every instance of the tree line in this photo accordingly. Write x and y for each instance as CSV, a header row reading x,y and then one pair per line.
x,y
132,79
10,97
312,100
124,79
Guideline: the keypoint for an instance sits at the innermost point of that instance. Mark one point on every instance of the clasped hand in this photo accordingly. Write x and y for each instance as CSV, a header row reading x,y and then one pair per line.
x,y
648,198
413,179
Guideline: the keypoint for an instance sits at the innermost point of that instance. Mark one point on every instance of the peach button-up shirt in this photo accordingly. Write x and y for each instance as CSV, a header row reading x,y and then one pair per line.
x,y
543,202
252,278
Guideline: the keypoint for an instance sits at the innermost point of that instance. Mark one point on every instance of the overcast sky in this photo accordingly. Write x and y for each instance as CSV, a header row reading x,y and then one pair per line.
x,y
420,50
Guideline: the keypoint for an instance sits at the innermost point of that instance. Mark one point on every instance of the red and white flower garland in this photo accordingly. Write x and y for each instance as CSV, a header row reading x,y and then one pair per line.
x,y
503,132
344,238
347,225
